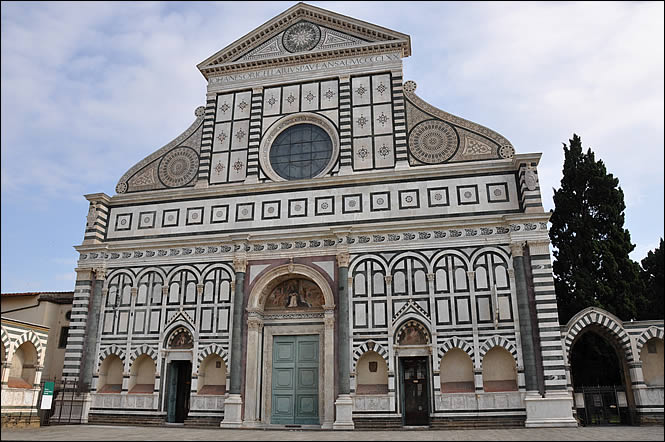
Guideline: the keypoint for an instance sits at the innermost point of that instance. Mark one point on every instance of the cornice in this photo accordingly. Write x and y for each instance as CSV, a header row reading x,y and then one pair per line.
x,y
305,57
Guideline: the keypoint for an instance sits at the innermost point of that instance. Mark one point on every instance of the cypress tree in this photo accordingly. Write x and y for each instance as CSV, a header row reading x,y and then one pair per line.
x,y
591,263
652,276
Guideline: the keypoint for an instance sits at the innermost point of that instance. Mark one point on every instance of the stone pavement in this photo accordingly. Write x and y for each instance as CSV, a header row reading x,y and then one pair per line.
x,y
101,432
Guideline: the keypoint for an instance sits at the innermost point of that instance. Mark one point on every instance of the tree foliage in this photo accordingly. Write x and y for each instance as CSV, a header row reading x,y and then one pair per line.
x,y
652,275
591,247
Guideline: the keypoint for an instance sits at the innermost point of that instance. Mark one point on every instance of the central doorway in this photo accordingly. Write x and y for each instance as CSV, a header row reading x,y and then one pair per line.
x,y
179,390
295,380
415,388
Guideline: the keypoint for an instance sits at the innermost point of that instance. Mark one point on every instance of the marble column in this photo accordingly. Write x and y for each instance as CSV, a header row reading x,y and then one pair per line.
x,y
344,402
233,403
523,310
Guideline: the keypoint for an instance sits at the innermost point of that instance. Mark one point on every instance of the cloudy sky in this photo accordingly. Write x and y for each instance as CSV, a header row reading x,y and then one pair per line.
x,y
90,89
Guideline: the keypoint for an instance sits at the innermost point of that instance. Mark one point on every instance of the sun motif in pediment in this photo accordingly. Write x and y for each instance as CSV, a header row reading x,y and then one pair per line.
x,y
303,36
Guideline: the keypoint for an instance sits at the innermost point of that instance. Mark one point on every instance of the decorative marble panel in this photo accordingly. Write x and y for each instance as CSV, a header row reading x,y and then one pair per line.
x,y
497,193
270,209
291,99
297,207
362,153
462,311
362,121
379,201
224,107
409,199
219,167
384,151
310,96
360,91
238,166
194,216
325,205
207,402
170,217
372,402
443,311
147,220
383,119
271,101
381,88
329,94
484,309
438,196
467,194
222,138
243,105
123,222
352,203
245,212
240,135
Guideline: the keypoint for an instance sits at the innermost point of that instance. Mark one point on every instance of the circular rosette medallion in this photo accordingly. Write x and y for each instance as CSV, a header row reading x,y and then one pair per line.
x,y
433,142
301,37
178,167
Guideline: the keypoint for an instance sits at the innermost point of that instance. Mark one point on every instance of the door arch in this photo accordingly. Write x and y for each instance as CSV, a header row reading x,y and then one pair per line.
x,y
268,319
598,352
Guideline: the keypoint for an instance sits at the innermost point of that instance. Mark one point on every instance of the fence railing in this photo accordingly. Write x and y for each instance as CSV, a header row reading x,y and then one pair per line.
x,y
67,404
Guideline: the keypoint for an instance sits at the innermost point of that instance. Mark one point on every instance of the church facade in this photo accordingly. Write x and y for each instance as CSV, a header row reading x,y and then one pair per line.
x,y
321,247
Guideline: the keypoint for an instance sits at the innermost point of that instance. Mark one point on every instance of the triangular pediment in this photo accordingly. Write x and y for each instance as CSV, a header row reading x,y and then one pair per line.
x,y
304,32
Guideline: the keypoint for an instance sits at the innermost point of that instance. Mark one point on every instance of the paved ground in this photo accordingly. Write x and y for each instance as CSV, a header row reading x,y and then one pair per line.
x,y
100,433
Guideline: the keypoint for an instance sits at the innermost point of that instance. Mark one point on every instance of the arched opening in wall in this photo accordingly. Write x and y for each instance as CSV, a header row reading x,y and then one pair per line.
x,y
142,375
456,372
178,345
24,366
371,374
599,375
110,375
499,371
212,376
413,347
296,373
652,362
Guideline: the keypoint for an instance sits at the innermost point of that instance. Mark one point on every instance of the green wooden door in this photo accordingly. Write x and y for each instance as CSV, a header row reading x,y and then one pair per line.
x,y
295,380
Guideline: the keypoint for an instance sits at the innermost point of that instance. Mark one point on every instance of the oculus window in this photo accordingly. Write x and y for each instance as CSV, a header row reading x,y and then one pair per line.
x,y
300,152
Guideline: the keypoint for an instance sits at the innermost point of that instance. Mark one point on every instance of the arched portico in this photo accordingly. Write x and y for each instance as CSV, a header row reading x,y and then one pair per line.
x,y
610,381
268,320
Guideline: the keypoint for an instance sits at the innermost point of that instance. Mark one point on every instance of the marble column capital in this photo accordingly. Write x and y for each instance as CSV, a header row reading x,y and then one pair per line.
x,y
240,264
100,273
343,259
517,248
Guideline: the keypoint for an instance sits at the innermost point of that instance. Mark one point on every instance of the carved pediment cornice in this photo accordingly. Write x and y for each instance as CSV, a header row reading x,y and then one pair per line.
x,y
378,40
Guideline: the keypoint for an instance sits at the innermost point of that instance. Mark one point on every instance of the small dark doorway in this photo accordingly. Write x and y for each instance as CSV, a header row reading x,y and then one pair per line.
x,y
178,391
415,388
